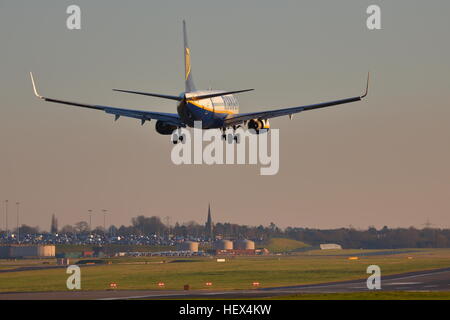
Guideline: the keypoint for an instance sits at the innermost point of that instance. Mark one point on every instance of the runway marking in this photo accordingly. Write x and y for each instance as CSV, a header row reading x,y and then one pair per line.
x,y
401,283
218,293
257,292
312,286
143,297
421,275
173,294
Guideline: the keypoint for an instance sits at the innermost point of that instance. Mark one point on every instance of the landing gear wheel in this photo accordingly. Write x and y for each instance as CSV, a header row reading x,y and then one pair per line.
x,y
178,136
176,139
230,138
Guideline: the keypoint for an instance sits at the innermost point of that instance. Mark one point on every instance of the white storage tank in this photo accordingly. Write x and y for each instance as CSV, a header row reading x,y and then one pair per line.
x,y
223,245
244,245
189,246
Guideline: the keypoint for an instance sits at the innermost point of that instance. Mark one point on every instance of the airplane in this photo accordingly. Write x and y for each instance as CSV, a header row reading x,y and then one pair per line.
x,y
216,109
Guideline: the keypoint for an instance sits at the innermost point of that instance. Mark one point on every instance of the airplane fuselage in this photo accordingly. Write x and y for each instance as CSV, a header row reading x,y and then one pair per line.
x,y
212,111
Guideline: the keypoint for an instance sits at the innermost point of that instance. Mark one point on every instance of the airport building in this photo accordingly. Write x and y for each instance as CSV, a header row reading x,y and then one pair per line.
x,y
330,246
27,251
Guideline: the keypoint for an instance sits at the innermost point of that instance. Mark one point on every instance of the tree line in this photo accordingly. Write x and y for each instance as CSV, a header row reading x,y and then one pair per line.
x,y
371,238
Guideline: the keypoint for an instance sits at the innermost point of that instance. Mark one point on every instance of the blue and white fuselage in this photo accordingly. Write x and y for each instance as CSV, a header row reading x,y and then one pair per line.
x,y
212,112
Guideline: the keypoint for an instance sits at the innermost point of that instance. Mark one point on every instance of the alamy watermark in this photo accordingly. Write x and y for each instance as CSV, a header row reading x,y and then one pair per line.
x,y
374,280
74,280
374,20
240,146
73,21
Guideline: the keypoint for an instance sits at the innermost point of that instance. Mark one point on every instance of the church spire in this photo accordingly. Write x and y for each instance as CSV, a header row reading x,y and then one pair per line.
x,y
209,225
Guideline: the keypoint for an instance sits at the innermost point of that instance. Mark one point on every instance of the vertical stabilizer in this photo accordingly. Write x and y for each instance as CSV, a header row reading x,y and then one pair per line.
x,y
189,82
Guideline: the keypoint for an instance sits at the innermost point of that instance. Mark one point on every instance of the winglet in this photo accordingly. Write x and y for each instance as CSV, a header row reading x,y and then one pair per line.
x,y
34,87
367,86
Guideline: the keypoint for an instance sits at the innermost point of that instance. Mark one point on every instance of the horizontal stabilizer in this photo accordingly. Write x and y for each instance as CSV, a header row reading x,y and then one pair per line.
x,y
217,94
164,96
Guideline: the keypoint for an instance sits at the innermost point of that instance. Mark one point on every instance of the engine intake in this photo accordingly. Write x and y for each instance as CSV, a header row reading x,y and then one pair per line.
x,y
258,124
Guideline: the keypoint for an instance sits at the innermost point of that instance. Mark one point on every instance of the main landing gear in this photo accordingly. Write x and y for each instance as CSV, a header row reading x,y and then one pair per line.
x,y
231,137
178,137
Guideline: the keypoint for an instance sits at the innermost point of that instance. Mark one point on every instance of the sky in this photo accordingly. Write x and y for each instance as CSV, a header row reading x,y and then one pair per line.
x,y
383,161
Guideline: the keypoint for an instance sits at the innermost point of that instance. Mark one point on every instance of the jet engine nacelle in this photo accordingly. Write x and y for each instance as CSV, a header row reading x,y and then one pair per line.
x,y
164,128
258,124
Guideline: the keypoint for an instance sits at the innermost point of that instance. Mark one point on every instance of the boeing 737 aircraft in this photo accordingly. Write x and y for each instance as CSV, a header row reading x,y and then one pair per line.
x,y
216,109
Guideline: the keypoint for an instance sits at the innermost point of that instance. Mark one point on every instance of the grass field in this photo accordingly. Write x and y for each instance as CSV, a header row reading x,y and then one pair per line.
x,y
235,273
276,245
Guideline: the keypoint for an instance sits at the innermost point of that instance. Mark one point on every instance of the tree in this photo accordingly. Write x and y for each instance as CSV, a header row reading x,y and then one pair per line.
x,y
98,230
148,225
81,227
112,230
68,229
24,229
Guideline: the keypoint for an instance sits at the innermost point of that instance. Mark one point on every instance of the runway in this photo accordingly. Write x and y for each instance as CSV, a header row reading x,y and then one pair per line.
x,y
430,280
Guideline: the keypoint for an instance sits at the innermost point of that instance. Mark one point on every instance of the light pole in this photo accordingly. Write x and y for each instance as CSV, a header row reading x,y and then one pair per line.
x,y
104,220
6,217
90,221
168,226
18,230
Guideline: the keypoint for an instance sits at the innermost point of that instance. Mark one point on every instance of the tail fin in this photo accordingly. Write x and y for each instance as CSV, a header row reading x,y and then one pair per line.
x,y
189,82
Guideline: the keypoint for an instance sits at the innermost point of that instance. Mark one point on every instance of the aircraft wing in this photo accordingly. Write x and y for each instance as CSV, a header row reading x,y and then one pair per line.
x,y
170,118
240,118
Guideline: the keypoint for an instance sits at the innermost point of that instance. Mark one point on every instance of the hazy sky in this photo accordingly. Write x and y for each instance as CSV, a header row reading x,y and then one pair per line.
x,y
384,161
